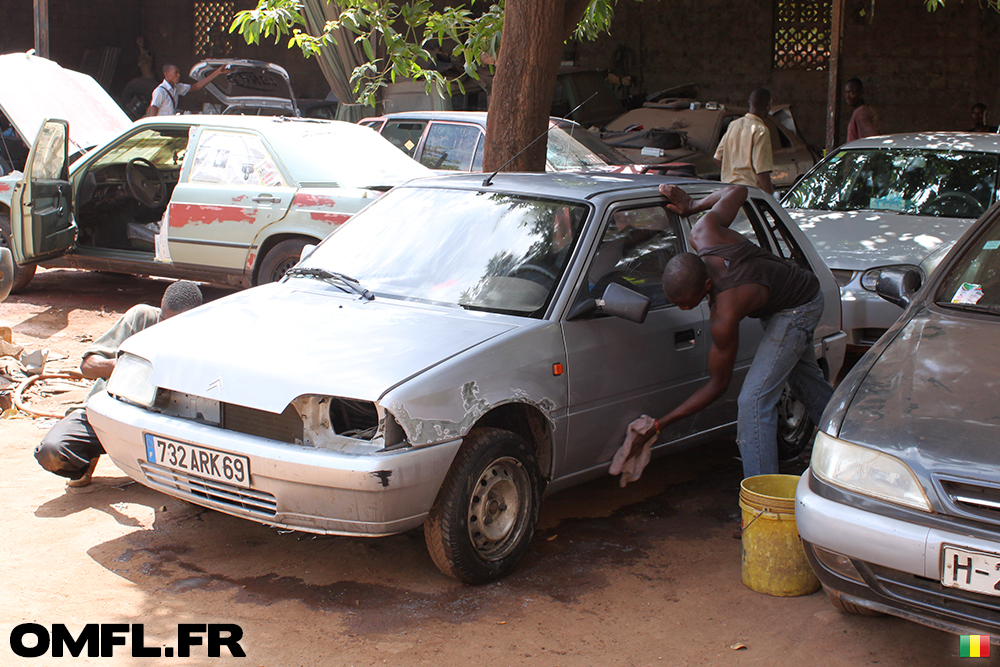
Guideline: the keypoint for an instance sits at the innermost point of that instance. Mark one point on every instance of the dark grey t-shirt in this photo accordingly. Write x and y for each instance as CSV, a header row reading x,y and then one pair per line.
x,y
788,284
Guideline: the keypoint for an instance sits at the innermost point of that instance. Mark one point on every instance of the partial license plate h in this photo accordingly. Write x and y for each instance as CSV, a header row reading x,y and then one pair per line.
x,y
971,571
220,466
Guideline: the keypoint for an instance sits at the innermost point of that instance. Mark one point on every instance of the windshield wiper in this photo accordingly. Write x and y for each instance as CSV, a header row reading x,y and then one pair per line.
x,y
975,307
332,277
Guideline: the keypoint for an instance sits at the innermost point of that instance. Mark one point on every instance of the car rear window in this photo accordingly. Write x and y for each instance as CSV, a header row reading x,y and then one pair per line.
x,y
915,181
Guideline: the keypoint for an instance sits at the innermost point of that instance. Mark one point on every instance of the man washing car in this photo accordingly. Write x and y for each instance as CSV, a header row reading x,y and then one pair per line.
x,y
742,280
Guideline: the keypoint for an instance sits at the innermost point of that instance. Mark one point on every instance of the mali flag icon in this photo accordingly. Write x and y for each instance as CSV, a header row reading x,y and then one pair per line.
x,y
975,646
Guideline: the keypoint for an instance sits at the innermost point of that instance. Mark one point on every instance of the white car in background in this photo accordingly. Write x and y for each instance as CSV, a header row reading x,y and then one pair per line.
x,y
899,200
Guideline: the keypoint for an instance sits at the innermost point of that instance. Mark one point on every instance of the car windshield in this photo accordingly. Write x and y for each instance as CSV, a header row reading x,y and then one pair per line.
x,y
565,152
912,181
478,250
974,282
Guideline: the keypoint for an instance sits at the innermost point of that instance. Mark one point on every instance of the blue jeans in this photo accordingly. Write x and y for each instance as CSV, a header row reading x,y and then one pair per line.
x,y
786,354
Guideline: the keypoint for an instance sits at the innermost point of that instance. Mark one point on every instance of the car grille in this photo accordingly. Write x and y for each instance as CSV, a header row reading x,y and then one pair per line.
x,y
286,427
247,502
972,500
960,606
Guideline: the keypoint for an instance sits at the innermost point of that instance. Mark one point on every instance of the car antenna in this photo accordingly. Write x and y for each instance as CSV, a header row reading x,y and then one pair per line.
x,y
489,178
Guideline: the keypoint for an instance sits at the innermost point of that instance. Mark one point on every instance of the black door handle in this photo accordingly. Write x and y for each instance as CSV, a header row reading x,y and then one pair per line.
x,y
684,339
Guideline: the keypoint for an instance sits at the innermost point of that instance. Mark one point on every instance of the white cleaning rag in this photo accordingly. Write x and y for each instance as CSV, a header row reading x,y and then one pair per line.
x,y
631,469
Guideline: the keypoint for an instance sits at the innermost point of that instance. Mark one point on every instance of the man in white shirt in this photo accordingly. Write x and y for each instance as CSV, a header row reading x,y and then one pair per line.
x,y
167,94
745,151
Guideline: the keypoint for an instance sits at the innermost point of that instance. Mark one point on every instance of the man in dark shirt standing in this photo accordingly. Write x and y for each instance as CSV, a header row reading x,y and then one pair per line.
x,y
742,280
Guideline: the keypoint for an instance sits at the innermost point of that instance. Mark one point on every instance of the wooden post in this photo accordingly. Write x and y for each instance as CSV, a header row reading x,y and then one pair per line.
x,y
42,28
833,83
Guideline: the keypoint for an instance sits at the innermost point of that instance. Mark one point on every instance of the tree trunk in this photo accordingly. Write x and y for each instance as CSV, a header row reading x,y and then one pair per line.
x,y
533,35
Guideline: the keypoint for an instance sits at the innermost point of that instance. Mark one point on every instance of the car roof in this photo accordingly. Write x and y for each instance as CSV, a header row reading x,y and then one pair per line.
x,y
268,124
478,117
565,185
296,141
955,141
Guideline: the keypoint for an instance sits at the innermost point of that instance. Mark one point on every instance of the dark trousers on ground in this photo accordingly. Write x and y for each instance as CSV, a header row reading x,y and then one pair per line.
x,y
69,446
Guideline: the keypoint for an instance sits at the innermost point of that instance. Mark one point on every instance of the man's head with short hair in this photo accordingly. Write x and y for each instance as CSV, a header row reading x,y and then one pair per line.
x,y
171,73
180,296
686,281
978,114
854,92
760,102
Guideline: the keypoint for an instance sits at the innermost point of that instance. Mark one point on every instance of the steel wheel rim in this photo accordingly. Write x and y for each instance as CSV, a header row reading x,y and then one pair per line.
x,y
498,505
791,416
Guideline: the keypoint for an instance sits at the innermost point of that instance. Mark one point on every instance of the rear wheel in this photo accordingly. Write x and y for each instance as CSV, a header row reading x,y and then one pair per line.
x,y
23,273
279,259
795,428
846,607
484,516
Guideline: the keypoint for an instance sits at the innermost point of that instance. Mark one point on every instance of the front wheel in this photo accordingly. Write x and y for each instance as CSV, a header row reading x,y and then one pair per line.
x,y
484,516
795,428
280,258
23,273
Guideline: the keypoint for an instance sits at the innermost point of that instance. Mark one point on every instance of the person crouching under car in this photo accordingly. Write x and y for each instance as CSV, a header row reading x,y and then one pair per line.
x,y
71,448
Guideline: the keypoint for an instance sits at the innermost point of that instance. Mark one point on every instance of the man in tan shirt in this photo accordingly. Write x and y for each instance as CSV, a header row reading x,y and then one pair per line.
x,y
744,154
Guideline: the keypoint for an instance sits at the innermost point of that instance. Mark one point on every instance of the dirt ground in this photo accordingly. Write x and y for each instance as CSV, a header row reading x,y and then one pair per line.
x,y
647,575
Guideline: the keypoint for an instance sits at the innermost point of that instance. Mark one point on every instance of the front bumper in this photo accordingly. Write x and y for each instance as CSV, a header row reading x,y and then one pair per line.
x,y
291,486
899,562
866,315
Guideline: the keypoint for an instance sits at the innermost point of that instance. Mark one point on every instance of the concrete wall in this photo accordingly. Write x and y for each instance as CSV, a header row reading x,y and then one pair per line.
x,y
922,71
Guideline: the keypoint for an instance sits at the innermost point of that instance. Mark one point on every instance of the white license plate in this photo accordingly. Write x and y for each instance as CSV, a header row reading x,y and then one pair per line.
x,y
220,466
971,571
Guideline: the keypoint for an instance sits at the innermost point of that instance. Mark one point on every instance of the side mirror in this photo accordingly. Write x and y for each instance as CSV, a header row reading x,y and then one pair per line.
x,y
618,301
897,285
306,251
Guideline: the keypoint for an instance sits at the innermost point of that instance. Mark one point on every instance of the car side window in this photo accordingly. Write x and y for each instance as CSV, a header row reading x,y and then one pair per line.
x,y
451,146
778,137
234,158
784,242
635,247
744,225
404,134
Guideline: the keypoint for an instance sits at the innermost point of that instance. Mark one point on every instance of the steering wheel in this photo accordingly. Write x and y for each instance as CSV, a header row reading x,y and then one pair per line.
x,y
534,273
144,188
956,195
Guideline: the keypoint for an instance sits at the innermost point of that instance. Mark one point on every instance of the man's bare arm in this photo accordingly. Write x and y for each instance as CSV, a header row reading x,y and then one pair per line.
x,y
721,206
204,82
152,110
95,366
764,178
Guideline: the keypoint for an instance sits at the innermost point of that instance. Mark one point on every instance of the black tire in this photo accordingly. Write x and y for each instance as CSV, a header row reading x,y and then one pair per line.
x,y
279,259
846,607
23,273
795,428
484,516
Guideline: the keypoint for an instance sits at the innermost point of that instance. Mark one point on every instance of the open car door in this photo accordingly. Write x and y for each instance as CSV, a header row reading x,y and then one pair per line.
x,y
41,215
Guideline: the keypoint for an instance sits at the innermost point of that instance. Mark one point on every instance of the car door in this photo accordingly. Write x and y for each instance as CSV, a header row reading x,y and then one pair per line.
x,y
618,370
42,224
232,186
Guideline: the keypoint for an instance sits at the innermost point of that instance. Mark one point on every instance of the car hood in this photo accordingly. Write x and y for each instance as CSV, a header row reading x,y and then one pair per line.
x,y
247,82
93,116
858,240
932,394
265,346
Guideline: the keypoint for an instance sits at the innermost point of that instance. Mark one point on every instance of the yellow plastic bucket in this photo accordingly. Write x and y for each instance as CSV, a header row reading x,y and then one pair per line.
x,y
773,559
